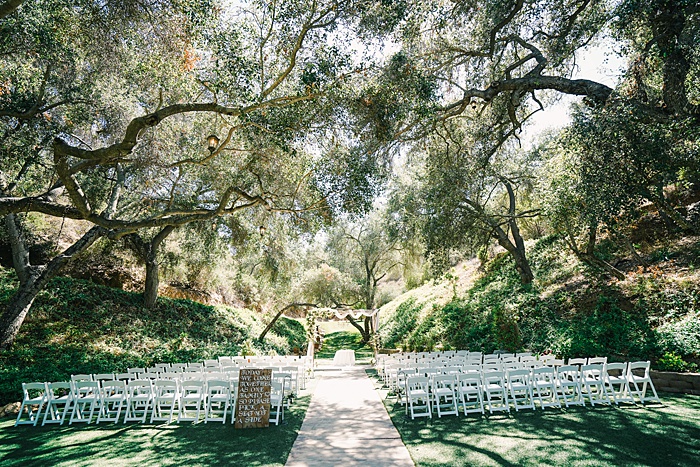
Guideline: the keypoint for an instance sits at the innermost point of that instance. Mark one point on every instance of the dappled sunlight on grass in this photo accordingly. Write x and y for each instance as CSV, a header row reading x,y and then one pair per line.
x,y
147,444
658,435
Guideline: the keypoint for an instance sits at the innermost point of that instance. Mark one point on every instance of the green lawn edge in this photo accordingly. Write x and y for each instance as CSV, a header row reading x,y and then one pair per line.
x,y
651,435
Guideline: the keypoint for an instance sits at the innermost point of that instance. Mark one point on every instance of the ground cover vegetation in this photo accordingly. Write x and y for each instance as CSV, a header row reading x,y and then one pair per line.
x,y
587,240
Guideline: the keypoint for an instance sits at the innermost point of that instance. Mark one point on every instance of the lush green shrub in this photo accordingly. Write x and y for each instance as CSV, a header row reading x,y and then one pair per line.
x,y
669,361
682,337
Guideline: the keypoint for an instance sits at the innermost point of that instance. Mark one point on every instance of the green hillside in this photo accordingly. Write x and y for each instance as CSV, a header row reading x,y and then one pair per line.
x,y
569,309
76,327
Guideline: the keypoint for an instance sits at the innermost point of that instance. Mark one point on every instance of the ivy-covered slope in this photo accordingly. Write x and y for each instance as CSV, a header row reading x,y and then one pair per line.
x,y
569,310
76,327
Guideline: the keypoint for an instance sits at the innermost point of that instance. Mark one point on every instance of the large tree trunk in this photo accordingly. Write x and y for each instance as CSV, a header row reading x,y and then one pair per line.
x,y
588,256
150,289
515,247
148,252
37,278
365,331
279,314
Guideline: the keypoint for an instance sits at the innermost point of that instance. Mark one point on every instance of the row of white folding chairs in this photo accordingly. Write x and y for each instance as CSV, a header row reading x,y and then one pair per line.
x,y
602,384
289,378
459,358
392,374
296,381
163,400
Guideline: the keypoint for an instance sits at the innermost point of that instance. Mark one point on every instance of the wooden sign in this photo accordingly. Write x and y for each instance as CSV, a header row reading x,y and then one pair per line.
x,y
253,401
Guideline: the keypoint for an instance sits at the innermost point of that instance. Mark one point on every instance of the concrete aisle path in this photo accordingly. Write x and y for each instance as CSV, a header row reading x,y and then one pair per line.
x,y
346,424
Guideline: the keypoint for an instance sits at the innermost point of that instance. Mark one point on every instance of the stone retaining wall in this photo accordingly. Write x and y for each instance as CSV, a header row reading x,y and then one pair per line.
x,y
667,381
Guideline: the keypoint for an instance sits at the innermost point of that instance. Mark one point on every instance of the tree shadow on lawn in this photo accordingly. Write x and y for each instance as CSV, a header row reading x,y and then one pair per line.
x,y
150,444
656,435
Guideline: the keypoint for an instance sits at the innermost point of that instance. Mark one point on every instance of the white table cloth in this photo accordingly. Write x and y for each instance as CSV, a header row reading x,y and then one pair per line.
x,y
344,357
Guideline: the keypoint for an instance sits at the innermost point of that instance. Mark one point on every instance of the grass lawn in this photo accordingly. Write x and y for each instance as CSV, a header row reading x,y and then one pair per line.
x,y
667,435
345,340
150,445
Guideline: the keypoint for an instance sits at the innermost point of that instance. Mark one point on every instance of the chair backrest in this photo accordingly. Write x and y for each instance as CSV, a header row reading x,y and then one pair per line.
x,y
593,371
444,381
216,376
59,389
139,387
491,377
218,386
113,388
596,360
577,361
86,387
555,362
569,373
518,376
103,377
545,373
165,387
417,382
34,390
76,378
638,369
469,379
136,370
616,369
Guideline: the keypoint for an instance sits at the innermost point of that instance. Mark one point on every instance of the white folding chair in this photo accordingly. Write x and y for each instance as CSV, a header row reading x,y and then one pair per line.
x,y
617,382
136,371
418,396
86,400
594,386
471,394
544,383
496,391
577,362
60,402
285,379
520,389
103,377
112,401
444,395
638,373
276,402
33,395
165,399
597,360
162,367
192,399
139,400
569,385
218,400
